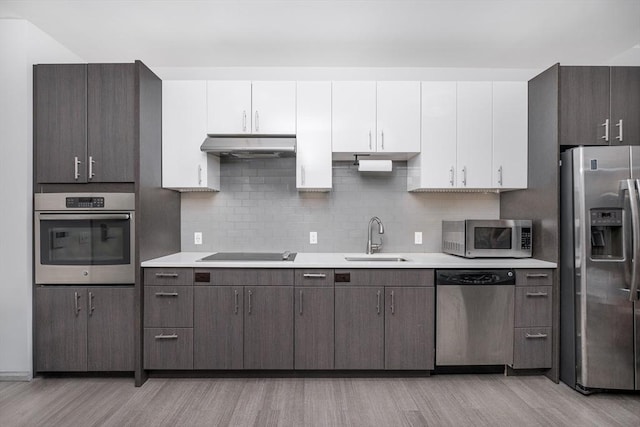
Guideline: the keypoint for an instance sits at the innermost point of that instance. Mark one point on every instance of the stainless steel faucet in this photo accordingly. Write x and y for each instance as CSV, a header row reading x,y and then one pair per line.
x,y
374,247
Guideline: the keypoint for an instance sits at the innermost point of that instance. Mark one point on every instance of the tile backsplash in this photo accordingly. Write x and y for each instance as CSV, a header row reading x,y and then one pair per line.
x,y
260,209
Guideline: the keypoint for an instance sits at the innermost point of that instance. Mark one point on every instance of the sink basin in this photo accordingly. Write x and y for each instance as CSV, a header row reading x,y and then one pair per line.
x,y
375,258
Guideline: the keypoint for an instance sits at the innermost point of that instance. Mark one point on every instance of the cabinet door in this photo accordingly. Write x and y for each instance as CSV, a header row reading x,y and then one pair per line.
x,y
625,106
217,327
435,166
314,335
510,135
268,327
353,117
409,328
584,106
474,134
398,117
60,123
112,119
313,157
273,107
110,338
228,107
359,328
60,329
184,127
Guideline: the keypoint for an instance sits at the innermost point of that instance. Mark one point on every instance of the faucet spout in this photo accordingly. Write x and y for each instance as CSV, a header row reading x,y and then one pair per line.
x,y
374,247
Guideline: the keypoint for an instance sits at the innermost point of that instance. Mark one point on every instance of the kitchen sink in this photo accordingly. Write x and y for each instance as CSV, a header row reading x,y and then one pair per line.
x,y
375,258
251,256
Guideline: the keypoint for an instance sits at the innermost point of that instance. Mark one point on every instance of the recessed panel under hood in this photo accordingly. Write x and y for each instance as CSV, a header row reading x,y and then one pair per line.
x,y
250,146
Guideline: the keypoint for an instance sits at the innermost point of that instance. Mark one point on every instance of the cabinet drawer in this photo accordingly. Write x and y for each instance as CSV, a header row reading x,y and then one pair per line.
x,y
168,276
534,277
385,277
314,277
168,348
168,306
533,306
244,276
532,348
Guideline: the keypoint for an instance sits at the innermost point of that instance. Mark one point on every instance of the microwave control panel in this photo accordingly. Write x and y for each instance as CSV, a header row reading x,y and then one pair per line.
x,y
525,238
85,202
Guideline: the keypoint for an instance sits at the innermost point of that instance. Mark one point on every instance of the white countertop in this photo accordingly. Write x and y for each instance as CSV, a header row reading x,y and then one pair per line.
x,y
337,260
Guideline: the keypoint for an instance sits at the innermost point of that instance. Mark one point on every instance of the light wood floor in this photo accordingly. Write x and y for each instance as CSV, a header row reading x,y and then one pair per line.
x,y
441,400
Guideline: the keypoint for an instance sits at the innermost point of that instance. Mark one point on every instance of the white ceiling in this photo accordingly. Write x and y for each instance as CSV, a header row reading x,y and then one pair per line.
x,y
335,33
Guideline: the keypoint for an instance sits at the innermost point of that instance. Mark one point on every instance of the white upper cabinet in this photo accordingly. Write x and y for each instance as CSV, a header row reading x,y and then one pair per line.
x,y
261,107
474,131
474,137
184,125
370,117
510,135
313,157
228,107
398,117
353,116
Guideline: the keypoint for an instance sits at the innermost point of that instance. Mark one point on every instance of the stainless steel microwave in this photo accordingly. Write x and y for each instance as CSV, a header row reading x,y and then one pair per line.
x,y
483,238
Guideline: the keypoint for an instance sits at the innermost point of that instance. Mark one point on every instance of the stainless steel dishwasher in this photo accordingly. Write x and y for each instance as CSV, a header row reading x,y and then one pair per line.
x,y
474,317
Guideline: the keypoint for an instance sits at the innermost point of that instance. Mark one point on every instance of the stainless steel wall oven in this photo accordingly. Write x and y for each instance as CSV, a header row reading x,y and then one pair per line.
x,y
83,238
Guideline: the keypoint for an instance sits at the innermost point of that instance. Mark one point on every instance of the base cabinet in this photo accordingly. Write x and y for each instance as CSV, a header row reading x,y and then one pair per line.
x,y
314,329
84,329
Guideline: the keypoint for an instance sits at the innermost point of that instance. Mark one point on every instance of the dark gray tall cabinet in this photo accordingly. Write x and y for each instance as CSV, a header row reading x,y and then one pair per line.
x,y
98,128
569,106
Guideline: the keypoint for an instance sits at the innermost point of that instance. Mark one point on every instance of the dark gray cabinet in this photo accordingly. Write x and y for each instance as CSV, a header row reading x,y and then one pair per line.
x,y
85,123
314,328
84,329
599,105
409,328
268,327
218,327
359,327
168,348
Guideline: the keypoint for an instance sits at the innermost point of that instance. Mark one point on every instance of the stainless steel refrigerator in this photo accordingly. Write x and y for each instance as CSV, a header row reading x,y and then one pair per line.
x,y
599,268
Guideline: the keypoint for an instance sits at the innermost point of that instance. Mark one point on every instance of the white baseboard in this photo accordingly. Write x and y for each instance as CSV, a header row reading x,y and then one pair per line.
x,y
16,376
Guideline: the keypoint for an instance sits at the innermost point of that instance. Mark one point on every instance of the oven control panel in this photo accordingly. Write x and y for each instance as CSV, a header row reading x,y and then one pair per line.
x,y
85,202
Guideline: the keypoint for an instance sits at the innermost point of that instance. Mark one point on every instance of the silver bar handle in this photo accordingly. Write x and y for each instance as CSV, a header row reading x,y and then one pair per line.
x,y
199,175
83,216
382,138
235,300
535,336
166,294
257,122
91,307
378,305
536,275
300,302
76,171
244,120
302,174
76,296
606,130
393,308
464,176
314,275
250,293
619,125
91,162
635,229
451,176
500,176
537,294
166,274
370,140
166,337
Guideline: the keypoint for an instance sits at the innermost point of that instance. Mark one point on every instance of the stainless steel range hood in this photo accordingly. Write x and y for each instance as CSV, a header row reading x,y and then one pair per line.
x,y
250,146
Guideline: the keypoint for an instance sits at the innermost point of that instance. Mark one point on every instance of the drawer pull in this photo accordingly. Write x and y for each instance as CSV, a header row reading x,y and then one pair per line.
x,y
166,337
537,275
314,275
536,336
166,274
166,294
537,294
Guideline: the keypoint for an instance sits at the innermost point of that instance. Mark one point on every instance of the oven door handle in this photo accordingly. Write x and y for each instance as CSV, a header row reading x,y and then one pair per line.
x,y
83,216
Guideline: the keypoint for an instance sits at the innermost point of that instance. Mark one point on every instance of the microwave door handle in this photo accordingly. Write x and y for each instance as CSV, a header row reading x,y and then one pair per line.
x,y
635,235
82,216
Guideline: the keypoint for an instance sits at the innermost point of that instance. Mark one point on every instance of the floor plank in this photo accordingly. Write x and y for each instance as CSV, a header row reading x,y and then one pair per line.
x,y
439,400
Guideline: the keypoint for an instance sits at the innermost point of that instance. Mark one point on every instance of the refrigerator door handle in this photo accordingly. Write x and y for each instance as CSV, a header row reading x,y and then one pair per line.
x,y
632,186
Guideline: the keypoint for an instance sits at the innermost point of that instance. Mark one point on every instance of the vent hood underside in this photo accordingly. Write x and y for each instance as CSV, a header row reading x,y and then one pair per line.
x,y
250,146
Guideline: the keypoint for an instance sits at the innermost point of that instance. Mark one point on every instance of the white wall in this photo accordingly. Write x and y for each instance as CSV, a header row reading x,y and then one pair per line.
x,y
21,46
